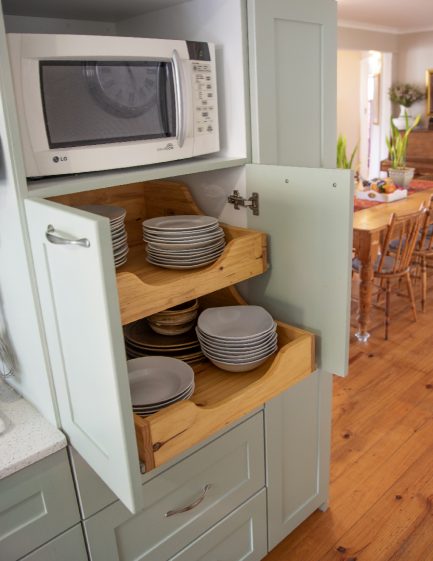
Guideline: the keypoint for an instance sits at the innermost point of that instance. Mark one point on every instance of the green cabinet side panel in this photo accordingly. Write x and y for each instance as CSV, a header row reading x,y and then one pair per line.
x,y
297,447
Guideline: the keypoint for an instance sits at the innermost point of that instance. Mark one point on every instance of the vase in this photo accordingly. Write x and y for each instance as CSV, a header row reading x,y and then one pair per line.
x,y
401,176
400,121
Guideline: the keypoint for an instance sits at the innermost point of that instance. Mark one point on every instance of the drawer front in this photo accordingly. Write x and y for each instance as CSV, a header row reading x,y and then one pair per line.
x,y
67,547
214,480
36,504
241,536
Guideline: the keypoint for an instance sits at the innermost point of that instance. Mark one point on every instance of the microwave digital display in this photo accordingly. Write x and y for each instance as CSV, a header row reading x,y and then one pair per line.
x,y
99,102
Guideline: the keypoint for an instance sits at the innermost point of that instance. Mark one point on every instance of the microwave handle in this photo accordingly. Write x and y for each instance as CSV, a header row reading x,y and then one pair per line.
x,y
179,93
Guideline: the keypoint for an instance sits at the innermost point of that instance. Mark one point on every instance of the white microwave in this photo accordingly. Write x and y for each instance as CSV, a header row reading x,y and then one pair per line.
x,y
89,103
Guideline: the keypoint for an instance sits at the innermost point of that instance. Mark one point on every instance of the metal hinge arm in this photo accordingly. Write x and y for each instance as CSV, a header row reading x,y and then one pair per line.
x,y
237,201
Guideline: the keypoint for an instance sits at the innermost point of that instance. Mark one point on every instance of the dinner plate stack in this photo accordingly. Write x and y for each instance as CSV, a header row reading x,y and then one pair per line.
x,y
157,382
237,338
141,340
119,237
183,241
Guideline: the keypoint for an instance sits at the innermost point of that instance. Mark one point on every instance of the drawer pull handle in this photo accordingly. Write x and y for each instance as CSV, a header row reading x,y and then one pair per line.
x,y
199,500
84,242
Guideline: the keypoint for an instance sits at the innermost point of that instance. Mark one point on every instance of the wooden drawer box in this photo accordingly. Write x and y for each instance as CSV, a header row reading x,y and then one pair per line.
x,y
220,397
233,466
241,536
36,504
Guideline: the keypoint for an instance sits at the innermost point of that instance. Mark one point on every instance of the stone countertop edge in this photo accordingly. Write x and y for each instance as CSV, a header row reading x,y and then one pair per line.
x,y
25,435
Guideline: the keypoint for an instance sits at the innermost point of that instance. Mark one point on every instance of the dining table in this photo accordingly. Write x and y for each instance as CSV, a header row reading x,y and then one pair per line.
x,y
370,221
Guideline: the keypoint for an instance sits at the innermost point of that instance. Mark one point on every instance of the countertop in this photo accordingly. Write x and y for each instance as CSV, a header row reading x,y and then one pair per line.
x,y
25,435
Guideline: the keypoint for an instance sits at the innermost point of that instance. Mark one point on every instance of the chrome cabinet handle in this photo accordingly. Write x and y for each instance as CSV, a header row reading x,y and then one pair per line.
x,y
84,242
199,500
178,87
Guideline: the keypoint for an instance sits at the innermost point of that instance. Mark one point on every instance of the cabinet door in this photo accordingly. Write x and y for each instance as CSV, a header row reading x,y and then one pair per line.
x,y
77,288
293,58
67,547
297,429
308,216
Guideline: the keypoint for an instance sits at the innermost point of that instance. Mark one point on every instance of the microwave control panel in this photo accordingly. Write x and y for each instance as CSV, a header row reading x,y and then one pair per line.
x,y
204,97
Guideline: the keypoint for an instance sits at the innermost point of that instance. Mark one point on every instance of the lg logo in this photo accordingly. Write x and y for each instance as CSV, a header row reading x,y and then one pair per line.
x,y
58,159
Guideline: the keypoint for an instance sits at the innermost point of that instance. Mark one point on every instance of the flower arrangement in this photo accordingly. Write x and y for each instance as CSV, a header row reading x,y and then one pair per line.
x,y
405,94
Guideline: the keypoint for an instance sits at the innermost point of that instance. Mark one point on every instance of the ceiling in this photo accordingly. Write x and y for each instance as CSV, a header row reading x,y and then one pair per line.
x,y
398,16
98,10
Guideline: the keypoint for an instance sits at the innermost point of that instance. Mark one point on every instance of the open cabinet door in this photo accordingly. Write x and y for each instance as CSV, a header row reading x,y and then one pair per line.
x,y
79,301
308,215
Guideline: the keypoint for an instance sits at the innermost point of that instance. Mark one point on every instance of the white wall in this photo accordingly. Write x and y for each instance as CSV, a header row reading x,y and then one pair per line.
x,y
364,40
415,57
348,98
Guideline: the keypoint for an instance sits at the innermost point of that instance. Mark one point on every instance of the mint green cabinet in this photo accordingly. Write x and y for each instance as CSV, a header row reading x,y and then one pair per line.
x,y
297,429
69,546
36,504
184,501
241,536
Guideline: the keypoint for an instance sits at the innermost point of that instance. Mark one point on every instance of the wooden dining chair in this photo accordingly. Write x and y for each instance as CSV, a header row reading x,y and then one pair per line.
x,y
394,262
424,251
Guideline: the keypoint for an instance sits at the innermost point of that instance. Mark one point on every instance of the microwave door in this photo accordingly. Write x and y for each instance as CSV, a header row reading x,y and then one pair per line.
x,y
166,97
179,88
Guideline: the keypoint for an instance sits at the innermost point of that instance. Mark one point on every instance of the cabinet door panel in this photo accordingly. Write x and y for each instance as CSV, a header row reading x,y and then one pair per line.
x,y
241,536
67,547
81,314
293,53
297,425
308,216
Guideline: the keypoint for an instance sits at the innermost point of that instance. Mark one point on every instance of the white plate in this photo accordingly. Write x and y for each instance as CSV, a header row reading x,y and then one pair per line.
x,y
114,213
153,379
186,260
180,222
218,234
265,337
187,245
167,234
230,367
240,358
251,347
185,252
180,267
235,322
189,390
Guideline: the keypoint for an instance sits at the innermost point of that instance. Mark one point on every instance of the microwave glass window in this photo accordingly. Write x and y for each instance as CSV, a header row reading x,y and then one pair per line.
x,y
99,102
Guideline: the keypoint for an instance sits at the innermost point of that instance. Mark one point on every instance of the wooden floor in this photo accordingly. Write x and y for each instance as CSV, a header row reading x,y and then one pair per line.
x,y
381,495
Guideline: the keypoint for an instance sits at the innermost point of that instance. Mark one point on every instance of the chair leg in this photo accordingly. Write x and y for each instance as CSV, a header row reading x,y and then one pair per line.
x,y
423,282
411,295
387,306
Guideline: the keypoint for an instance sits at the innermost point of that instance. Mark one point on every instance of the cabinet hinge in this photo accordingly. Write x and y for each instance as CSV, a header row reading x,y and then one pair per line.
x,y
238,201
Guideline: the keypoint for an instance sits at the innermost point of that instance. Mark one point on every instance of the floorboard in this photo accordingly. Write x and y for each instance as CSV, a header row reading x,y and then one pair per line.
x,y
381,492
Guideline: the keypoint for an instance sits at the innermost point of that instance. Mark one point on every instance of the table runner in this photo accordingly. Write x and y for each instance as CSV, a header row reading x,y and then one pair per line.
x,y
415,186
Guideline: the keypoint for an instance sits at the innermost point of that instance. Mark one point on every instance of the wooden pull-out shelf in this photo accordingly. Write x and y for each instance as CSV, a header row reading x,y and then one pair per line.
x,y
220,398
145,289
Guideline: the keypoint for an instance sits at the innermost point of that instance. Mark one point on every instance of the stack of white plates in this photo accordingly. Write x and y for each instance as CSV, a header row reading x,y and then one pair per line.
x,y
119,236
157,382
183,241
237,338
